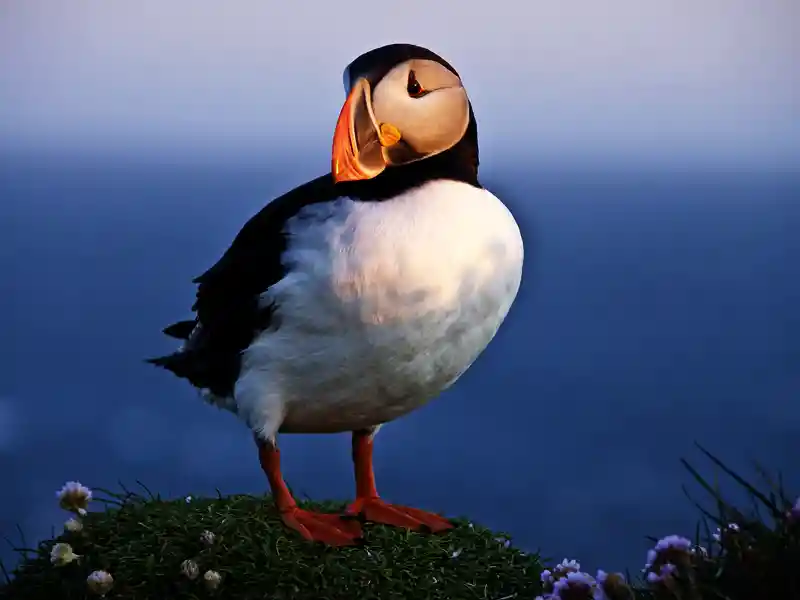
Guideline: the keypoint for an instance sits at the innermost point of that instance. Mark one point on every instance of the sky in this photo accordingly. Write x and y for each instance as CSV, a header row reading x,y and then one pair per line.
x,y
623,81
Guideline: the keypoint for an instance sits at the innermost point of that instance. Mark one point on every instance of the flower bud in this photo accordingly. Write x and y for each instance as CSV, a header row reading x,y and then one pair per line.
x,y
190,569
61,554
212,579
100,582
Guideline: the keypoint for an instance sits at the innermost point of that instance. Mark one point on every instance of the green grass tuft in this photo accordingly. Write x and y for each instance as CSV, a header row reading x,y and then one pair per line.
x,y
143,541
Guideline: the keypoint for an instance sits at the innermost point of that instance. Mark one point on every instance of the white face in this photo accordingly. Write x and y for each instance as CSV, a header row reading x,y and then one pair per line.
x,y
426,102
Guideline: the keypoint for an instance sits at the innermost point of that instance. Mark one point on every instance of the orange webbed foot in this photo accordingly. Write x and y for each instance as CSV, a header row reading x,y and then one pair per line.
x,y
376,510
330,529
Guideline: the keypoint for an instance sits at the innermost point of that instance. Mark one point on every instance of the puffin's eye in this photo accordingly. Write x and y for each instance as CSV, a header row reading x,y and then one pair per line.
x,y
414,88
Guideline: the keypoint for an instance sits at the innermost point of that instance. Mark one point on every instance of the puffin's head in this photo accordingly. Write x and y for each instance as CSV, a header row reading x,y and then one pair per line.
x,y
404,104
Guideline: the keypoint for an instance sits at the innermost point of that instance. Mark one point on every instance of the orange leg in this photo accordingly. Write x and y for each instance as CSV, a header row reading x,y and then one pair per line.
x,y
330,529
372,508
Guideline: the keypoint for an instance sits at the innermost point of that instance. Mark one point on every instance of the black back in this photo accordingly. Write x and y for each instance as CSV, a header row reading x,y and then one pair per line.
x,y
227,303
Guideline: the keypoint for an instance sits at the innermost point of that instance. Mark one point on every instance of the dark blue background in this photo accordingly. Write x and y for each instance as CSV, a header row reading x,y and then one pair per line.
x,y
656,309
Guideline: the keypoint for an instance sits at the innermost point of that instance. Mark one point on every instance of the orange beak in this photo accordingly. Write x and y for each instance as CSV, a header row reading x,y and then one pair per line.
x,y
358,140
345,165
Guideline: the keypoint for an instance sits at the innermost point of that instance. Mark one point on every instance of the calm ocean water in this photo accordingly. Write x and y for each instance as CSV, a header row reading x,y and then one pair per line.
x,y
656,310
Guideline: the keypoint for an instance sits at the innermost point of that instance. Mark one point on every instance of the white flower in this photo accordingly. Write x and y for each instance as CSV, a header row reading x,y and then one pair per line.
x,y
212,579
74,497
207,537
188,499
674,542
190,569
457,553
100,582
73,526
577,581
567,565
61,554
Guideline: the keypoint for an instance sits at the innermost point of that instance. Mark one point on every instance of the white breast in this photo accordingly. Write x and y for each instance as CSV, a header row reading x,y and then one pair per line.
x,y
385,304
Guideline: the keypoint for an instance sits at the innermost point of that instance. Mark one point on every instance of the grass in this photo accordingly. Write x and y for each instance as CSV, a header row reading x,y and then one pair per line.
x,y
735,554
143,540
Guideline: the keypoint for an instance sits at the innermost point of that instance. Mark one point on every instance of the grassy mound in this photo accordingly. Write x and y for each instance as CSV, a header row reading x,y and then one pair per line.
x,y
142,541
143,547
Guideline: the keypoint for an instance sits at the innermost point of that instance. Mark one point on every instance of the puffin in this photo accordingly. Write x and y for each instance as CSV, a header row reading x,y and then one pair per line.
x,y
361,295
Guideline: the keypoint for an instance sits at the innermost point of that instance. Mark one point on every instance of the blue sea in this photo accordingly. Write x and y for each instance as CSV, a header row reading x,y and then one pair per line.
x,y
658,309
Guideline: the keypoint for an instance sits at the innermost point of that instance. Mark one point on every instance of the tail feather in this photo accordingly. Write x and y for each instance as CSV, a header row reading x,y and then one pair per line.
x,y
188,365
178,362
181,330
201,369
207,360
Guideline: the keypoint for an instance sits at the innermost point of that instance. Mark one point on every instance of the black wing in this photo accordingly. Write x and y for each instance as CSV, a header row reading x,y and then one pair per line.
x,y
227,307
